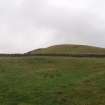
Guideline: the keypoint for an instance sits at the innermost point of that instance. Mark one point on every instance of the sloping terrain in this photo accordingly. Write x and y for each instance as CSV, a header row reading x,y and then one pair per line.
x,y
52,81
69,49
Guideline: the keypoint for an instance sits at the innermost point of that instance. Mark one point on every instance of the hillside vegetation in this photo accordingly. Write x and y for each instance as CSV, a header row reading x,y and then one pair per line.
x,y
52,81
69,49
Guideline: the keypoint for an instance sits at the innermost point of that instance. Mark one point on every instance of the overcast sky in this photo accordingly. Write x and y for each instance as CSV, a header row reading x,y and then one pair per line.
x,y
30,24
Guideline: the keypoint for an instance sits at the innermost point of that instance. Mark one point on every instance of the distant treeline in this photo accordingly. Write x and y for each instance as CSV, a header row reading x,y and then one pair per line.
x,y
56,55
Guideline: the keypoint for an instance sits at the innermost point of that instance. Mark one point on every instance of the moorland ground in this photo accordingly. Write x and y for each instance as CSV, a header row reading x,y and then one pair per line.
x,y
43,80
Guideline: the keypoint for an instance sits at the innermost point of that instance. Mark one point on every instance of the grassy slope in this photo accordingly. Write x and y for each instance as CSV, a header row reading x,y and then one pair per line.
x,y
69,49
52,81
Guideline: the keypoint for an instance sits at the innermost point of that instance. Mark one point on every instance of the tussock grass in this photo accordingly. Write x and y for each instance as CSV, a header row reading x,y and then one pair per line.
x,y
52,81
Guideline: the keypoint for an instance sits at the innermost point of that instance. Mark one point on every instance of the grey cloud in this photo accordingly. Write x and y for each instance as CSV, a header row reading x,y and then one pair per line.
x,y
29,24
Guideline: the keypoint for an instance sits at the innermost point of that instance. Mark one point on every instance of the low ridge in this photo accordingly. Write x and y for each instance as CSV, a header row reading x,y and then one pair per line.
x,y
69,49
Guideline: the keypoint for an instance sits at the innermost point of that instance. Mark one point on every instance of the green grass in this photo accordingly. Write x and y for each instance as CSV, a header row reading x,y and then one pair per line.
x,y
69,49
52,81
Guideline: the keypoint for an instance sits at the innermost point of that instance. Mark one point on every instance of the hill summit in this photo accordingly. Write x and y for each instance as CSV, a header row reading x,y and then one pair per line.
x,y
69,49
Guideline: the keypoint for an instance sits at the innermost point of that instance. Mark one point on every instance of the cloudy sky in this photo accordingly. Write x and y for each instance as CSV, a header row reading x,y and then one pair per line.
x,y
30,24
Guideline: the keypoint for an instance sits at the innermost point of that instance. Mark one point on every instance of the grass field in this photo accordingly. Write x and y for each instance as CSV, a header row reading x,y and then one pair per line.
x,y
52,81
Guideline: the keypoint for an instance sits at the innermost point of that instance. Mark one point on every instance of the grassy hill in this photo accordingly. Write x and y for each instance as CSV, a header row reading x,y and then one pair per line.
x,y
52,81
69,49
